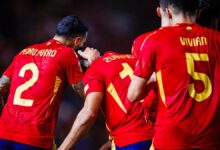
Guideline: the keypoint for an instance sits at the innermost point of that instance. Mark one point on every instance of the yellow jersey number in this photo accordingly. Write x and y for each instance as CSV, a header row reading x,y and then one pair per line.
x,y
127,71
190,59
17,97
18,100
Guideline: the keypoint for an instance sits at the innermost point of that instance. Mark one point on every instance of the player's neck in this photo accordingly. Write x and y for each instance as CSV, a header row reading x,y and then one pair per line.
x,y
60,39
178,19
165,22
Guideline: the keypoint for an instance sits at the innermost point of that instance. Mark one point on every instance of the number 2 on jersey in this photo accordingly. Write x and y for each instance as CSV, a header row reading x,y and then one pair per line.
x,y
127,71
35,74
199,97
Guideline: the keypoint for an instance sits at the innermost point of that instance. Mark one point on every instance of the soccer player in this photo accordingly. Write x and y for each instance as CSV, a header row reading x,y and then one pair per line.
x,y
186,59
106,84
150,101
37,77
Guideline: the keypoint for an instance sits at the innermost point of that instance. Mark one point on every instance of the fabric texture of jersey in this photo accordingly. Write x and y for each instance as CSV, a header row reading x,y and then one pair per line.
x,y
111,74
150,103
38,75
139,43
186,58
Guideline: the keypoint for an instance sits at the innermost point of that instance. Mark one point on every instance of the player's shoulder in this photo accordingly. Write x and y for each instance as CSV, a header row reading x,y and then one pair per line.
x,y
54,44
146,38
50,44
140,38
139,42
211,30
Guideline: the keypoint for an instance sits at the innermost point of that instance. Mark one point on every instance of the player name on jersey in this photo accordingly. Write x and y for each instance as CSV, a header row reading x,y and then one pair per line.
x,y
37,52
192,42
114,57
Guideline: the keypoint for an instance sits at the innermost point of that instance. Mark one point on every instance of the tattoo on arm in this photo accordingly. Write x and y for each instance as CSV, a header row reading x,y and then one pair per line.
x,y
4,85
79,88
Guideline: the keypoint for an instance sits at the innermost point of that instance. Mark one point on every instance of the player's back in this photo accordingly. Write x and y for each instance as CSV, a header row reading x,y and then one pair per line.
x,y
38,77
188,68
124,120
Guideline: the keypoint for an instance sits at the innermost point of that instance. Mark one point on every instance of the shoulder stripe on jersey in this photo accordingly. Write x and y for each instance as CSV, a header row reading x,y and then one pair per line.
x,y
142,45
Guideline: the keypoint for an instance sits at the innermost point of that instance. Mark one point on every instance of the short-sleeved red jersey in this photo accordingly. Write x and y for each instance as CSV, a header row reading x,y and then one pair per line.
x,y
186,58
38,75
151,100
111,74
139,43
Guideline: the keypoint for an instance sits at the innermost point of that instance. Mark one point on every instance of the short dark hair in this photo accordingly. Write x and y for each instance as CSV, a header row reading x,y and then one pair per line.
x,y
71,26
184,6
209,14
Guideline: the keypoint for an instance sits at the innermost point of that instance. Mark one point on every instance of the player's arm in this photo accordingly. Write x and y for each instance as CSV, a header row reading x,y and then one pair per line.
x,y
138,87
4,85
84,120
106,146
79,88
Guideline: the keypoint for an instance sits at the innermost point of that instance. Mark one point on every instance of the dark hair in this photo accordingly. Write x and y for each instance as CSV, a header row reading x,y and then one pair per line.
x,y
71,26
209,16
184,6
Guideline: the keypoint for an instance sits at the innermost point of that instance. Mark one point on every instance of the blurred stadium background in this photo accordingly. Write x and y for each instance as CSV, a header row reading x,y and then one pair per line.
x,y
113,25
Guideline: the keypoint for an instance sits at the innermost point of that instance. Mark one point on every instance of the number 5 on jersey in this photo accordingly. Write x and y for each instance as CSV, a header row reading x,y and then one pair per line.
x,y
190,58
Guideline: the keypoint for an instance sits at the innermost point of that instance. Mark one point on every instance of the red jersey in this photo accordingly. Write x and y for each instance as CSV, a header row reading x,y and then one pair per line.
x,y
139,43
186,58
38,75
150,102
111,74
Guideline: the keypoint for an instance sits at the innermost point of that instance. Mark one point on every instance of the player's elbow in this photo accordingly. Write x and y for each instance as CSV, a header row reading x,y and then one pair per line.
x,y
132,95
90,116
136,88
132,98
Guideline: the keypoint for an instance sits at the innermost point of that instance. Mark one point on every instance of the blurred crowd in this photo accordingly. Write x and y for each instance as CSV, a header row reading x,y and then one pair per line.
x,y
113,25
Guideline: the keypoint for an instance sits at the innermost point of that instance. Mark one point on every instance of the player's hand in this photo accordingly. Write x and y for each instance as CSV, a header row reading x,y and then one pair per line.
x,y
90,54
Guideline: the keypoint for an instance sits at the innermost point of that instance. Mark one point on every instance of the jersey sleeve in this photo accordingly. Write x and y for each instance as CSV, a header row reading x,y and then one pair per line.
x,y
72,67
145,64
135,50
93,81
138,44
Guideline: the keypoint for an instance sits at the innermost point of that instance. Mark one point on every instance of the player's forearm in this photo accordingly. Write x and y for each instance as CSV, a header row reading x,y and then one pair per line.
x,y
106,146
82,124
136,90
4,85
134,95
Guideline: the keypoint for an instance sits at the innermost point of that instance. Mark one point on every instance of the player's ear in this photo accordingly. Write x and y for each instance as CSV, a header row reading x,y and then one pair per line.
x,y
77,40
158,11
168,12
